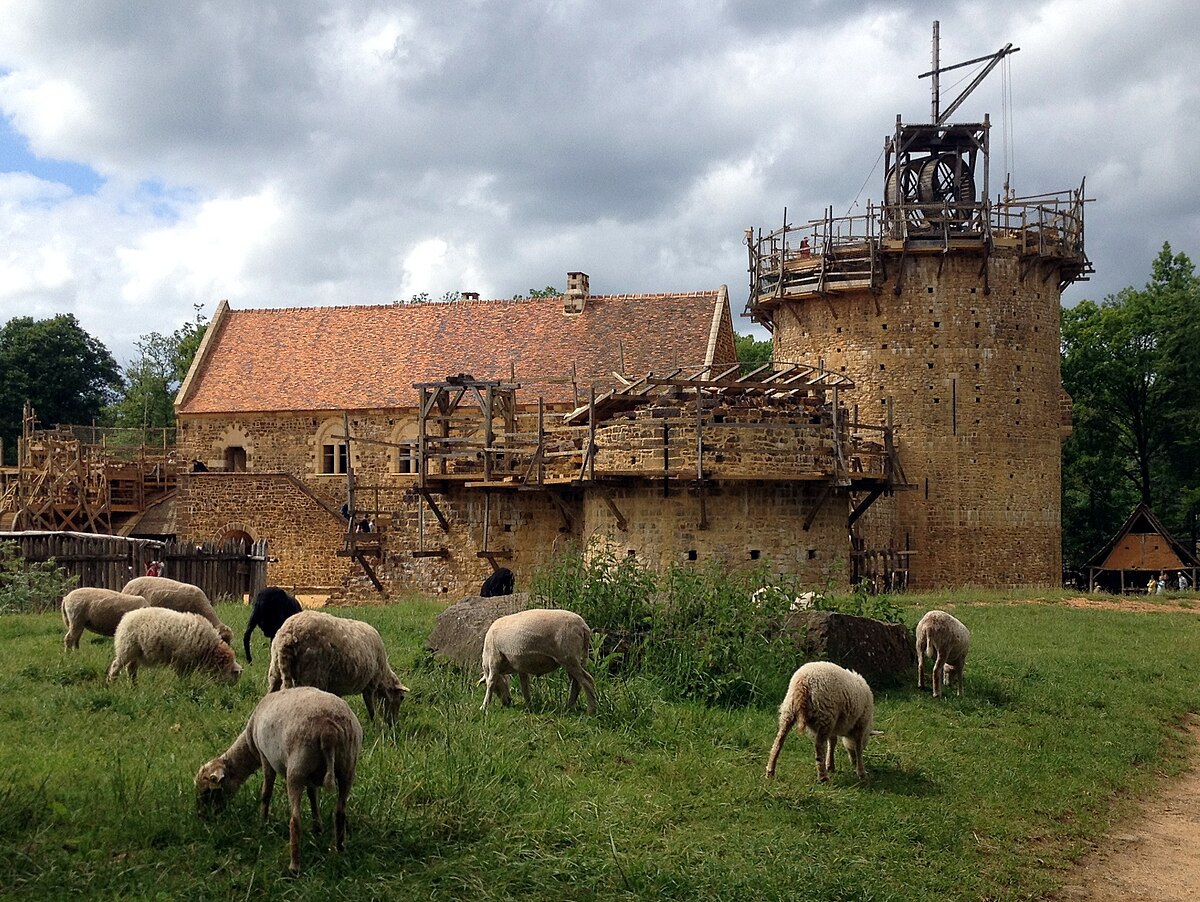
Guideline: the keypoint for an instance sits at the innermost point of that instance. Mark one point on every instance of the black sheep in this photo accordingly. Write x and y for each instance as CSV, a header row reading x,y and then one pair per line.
x,y
271,607
499,583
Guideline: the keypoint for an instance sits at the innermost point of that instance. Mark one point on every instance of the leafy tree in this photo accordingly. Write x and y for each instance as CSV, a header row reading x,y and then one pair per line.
x,y
54,364
548,292
1132,366
151,381
752,352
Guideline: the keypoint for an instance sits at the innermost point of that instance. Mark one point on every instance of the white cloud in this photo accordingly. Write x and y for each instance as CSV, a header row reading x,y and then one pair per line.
x,y
324,152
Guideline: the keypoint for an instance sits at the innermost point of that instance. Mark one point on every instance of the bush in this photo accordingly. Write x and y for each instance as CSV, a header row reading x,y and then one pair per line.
x,y
30,587
698,633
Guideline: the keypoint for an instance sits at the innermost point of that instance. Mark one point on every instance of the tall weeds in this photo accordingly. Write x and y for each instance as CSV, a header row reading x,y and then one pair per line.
x,y
699,633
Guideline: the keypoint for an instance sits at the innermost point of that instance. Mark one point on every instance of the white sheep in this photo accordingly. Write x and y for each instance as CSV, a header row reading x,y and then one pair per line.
x,y
536,642
827,701
308,735
943,637
183,597
95,609
337,654
159,636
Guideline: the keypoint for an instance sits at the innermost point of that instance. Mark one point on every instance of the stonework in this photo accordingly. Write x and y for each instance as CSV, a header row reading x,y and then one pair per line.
x,y
976,399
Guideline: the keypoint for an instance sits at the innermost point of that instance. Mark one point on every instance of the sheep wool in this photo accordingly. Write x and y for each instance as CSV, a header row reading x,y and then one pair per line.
x,y
95,609
337,654
271,607
309,736
161,637
827,702
536,642
161,592
943,637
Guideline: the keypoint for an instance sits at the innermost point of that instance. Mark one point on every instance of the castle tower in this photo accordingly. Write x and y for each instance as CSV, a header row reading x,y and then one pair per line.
x,y
943,307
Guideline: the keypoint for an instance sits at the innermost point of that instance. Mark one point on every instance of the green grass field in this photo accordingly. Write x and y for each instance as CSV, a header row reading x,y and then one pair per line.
x,y
1068,716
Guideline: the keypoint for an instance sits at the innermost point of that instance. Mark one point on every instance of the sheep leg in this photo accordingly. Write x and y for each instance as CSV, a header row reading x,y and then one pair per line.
x,y
920,668
580,677
339,815
114,669
487,692
369,701
786,722
831,747
268,786
293,788
854,745
132,667
939,674
316,812
822,743
71,640
526,692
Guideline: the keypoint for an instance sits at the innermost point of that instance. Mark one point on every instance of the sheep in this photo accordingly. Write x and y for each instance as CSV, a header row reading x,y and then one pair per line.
x,y
499,583
943,637
536,642
827,701
271,607
95,609
338,655
186,642
308,735
161,592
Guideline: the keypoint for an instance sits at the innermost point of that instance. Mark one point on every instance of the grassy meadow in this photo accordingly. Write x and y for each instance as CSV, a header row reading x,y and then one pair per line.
x,y
1068,716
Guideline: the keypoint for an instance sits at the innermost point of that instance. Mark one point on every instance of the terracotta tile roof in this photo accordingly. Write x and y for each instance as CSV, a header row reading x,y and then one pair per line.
x,y
363,357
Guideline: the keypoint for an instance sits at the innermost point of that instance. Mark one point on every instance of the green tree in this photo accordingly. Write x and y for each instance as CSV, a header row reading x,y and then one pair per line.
x,y
752,352
1132,366
66,374
153,378
548,292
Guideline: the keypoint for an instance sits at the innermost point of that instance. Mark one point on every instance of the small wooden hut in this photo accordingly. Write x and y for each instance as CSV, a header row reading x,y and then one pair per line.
x,y
1141,550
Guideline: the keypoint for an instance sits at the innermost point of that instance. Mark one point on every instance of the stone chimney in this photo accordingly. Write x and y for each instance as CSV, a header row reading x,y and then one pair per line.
x,y
469,295
577,292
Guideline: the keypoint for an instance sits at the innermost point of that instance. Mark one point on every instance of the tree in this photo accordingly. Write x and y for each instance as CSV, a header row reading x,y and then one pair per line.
x,y
151,381
752,352
1132,366
534,293
66,374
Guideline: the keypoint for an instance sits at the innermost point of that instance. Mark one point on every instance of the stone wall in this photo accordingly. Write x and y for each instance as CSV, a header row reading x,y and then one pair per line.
x,y
750,525
283,499
976,397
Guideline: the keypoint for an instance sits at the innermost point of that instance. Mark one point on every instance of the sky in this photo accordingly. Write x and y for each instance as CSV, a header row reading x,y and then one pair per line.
x,y
156,158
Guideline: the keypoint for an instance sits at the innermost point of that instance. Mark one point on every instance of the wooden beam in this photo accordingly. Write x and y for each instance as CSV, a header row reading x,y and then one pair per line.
x,y
820,502
442,521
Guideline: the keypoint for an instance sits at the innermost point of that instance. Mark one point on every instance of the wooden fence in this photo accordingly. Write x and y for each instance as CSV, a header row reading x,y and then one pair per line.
x,y
229,569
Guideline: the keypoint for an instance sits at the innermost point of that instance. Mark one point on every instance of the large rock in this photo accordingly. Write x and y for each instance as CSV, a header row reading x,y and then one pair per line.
x,y
884,653
459,630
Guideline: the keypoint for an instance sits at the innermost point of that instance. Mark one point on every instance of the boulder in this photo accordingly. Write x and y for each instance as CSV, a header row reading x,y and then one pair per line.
x,y
459,630
884,653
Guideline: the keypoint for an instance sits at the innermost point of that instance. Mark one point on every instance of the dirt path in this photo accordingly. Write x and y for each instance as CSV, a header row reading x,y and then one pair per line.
x,y
1153,856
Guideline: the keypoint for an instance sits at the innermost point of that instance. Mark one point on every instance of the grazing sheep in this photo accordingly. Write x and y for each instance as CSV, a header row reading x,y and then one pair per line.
x,y
161,592
827,701
499,583
535,642
338,655
98,610
271,607
944,638
160,636
308,735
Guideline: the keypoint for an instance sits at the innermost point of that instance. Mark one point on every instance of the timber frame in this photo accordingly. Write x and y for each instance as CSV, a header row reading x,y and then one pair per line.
x,y
86,479
473,434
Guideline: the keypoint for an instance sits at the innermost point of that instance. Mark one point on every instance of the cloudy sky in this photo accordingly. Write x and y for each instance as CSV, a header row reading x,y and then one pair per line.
x,y
158,156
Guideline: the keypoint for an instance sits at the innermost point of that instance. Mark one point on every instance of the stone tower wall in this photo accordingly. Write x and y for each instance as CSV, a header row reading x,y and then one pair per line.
x,y
976,401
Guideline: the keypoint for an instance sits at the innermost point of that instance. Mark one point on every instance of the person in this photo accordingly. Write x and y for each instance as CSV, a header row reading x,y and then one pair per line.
x,y
1152,585
1183,581
1162,582
154,568
364,525
804,248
